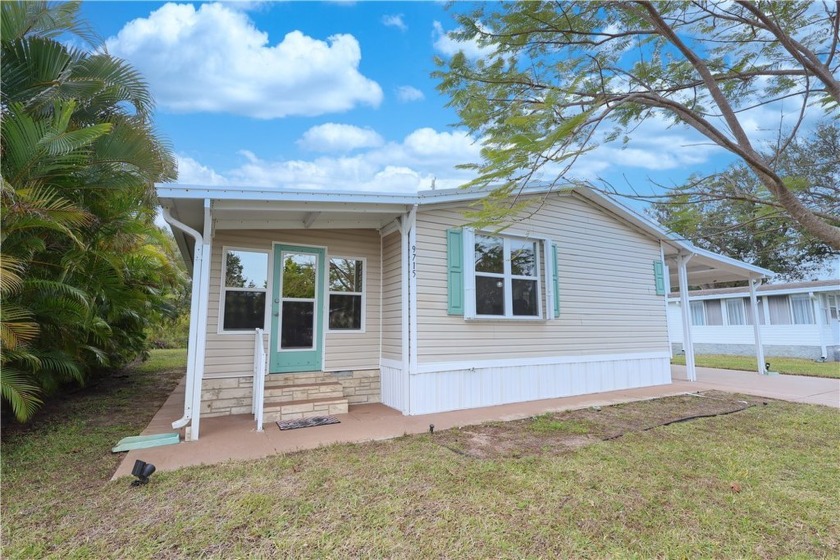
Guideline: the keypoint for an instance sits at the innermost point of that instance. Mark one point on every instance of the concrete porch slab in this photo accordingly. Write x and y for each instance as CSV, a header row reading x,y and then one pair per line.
x,y
232,438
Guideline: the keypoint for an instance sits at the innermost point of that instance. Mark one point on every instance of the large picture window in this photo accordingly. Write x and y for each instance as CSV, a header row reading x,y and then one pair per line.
x,y
346,294
244,286
507,278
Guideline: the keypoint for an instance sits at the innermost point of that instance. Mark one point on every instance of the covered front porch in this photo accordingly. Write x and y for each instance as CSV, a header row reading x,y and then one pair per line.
x,y
287,311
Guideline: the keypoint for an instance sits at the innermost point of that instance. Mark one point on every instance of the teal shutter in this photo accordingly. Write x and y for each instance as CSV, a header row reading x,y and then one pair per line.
x,y
659,277
455,270
556,281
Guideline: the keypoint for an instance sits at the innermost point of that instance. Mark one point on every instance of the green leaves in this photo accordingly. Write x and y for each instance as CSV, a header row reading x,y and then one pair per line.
x,y
564,77
83,273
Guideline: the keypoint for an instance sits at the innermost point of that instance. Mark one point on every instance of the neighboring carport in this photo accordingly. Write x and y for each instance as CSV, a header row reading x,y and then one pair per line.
x,y
692,266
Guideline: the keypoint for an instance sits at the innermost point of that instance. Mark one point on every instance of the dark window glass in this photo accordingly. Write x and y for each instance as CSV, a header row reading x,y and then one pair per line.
x,y
525,298
345,312
244,311
523,258
489,296
297,325
489,254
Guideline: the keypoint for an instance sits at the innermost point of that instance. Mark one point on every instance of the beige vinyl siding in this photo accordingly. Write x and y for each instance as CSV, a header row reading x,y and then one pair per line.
x,y
608,302
391,297
232,354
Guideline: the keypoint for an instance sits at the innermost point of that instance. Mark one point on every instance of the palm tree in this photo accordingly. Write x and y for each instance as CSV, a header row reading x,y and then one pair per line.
x,y
83,272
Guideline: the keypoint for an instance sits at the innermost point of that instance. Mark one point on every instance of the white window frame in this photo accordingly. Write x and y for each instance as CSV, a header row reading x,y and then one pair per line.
x,y
540,245
729,317
702,305
220,327
809,306
832,302
363,293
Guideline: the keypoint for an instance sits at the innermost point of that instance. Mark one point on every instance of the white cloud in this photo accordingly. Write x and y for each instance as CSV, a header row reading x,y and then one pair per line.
x,y
409,93
215,60
395,20
334,137
445,44
190,172
413,164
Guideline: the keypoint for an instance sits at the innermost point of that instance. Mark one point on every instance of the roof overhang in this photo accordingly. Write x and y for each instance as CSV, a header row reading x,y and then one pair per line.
x,y
252,208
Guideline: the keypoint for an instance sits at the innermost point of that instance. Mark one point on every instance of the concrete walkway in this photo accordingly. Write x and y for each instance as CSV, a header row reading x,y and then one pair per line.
x,y
235,438
795,388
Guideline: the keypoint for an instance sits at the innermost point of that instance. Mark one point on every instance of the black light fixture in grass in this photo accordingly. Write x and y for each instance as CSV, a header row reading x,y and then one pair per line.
x,y
142,470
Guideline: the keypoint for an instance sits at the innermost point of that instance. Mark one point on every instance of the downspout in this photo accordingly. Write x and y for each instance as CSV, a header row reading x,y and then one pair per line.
x,y
198,256
759,348
201,335
688,343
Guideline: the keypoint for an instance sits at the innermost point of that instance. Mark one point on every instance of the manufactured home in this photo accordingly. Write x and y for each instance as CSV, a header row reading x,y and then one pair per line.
x,y
307,302
798,320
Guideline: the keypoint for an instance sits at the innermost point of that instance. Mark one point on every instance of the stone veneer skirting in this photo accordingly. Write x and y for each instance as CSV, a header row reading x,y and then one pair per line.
x,y
232,395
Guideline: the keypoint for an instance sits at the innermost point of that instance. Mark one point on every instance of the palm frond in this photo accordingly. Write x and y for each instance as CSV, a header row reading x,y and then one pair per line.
x,y
20,392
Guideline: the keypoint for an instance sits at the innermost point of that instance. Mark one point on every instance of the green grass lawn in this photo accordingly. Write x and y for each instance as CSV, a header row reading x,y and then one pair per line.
x,y
761,483
790,366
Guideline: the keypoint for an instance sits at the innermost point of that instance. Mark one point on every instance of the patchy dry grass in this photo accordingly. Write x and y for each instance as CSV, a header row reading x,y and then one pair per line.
x,y
760,482
789,366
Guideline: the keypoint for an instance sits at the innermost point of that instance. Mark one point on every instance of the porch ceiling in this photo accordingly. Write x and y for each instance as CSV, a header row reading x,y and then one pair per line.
x,y
706,268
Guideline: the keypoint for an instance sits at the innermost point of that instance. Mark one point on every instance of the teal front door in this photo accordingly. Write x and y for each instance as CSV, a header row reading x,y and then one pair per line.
x,y
297,311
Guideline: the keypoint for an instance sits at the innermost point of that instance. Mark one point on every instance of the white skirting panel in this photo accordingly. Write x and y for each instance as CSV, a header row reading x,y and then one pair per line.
x,y
393,384
479,384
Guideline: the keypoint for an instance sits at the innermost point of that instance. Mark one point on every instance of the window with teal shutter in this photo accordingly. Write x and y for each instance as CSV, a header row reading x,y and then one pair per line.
x,y
556,281
659,277
455,271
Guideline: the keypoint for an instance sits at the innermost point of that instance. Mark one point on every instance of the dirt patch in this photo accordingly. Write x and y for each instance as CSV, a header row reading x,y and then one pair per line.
x,y
563,432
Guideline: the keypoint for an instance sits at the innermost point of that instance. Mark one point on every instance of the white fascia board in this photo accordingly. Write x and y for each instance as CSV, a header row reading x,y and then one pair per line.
x,y
275,195
756,271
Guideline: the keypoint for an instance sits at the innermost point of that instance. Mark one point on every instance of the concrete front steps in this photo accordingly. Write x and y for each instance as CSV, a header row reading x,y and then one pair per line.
x,y
289,397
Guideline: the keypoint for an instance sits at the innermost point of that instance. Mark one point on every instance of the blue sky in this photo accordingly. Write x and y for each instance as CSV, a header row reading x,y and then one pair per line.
x,y
334,95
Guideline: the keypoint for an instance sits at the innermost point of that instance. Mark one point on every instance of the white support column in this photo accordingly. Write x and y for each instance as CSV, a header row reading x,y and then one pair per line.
x,y
201,345
412,292
688,344
404,310
666,278
759,348
819,319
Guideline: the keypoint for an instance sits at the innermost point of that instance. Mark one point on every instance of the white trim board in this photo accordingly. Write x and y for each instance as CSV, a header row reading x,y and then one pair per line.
x,y
542,361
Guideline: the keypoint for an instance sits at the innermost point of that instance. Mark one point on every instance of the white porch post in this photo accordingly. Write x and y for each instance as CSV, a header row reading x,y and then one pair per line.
x,y
688,344
759,348
819,319
412,292
201,339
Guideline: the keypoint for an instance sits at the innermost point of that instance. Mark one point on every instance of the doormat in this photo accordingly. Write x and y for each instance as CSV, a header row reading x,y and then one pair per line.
x,y
307,422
